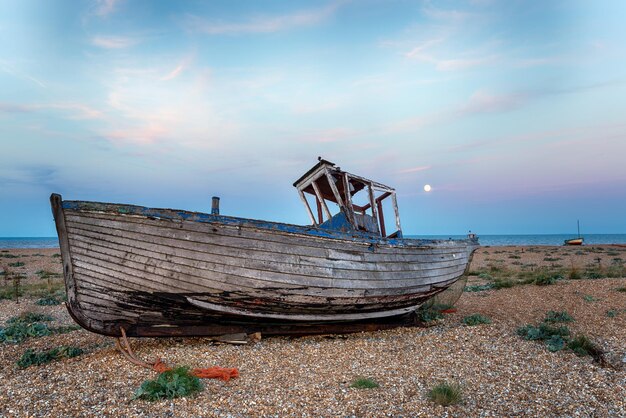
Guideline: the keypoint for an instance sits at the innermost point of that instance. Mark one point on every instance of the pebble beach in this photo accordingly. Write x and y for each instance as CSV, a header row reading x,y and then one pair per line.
x,y
500,373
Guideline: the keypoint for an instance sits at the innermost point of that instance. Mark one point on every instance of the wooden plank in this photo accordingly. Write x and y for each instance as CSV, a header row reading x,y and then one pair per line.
x,y
137,245
208,270
333,187
308,208
370,191
328,271
260,238
320,199
395,209
301,317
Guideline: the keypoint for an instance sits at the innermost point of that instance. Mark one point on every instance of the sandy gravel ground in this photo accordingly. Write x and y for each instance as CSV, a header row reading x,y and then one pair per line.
x,y
500,373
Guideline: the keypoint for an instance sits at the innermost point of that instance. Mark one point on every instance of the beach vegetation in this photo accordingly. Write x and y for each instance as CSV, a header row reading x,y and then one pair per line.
x,y
574,274
56,255
503,284
593,274
30,325
44,274
36,358
6,255
547,279
19,332
479,287
493,268
364,383
8,292
582,346
621,289
589,298
446,394
17,264
476,319
48,300
612,313
429,315
551,259
175,383
555,343
558,316
542,332
29,317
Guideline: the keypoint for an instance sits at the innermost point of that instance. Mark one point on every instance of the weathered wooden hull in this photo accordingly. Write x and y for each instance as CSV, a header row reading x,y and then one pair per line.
x,y
160,272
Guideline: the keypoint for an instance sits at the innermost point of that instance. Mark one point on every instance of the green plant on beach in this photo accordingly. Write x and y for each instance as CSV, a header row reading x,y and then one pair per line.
x,y
17,264
48,301
621,289
476,319
554,316
171,384
29,317
446,394
44,274
583,346
589,298
574,274
30,325
479,287
364,383
612,313
555,343
547,279
543,332
503,284
37,358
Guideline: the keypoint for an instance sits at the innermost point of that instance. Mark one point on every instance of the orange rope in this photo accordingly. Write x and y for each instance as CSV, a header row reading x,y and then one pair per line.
x,y
214,372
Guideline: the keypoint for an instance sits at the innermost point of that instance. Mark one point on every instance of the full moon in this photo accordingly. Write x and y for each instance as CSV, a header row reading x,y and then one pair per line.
x,y
427,188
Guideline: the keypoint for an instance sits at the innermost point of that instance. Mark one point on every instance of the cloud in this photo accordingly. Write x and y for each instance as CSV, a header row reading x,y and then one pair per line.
x,y
464,63
415,169
264,24
5,67
113,42
325,136
74,110
174,73
452,15
14,108
104,8
484,102
420,52
144,135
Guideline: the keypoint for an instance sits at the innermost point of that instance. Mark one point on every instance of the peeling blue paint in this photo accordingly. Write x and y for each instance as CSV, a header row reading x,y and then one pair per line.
x,y
334,229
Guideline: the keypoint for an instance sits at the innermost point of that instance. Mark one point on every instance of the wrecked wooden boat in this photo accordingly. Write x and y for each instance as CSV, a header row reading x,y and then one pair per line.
x,y
164,272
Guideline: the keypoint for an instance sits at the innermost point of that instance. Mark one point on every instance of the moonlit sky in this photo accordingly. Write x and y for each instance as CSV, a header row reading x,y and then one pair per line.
x,y
513,111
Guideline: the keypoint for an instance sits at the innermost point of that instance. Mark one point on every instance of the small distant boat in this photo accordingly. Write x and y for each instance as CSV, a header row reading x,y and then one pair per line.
x,y
161,272
575,241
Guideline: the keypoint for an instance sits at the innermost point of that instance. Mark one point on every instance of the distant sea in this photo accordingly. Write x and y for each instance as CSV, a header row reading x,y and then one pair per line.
x,y
485,240
543,239
29,242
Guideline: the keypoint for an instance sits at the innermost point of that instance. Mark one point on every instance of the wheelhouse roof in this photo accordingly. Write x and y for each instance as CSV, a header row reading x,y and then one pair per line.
x,y
318,172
